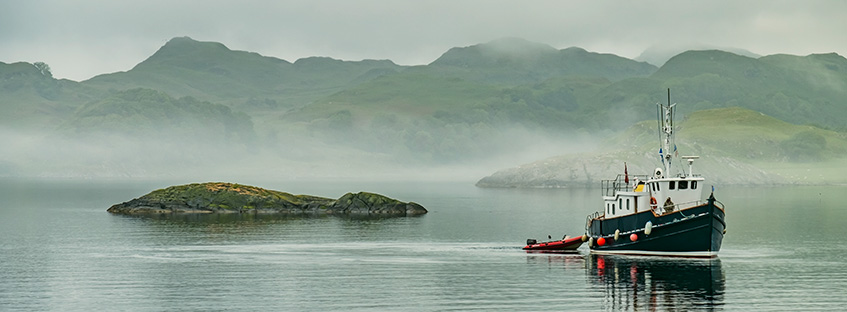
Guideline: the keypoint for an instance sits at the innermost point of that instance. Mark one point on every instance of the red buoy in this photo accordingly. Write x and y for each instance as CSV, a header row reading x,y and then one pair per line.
x,y
601,241
633,237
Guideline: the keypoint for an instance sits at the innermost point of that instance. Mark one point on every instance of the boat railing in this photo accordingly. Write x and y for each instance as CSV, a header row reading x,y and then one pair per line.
x,y
720,205
590,217
609,187
664,209
683,175
680,207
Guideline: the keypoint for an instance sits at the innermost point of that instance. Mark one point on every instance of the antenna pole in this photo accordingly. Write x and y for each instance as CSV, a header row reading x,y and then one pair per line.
x,y
666,124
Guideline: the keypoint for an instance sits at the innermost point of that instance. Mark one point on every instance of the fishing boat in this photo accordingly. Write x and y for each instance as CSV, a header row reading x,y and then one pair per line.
x,y
662,214
564,245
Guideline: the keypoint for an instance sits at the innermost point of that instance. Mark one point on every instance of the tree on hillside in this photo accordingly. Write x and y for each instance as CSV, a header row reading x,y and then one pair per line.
x,y
43,68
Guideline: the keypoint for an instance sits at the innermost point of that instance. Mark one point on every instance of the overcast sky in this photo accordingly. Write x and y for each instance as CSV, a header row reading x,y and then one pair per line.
x,y
80,39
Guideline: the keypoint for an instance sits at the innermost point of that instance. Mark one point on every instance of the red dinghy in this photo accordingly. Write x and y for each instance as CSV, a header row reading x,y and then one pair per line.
x,y
567,244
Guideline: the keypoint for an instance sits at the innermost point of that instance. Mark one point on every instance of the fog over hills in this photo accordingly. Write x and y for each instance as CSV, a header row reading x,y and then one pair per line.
x,y
658,55
201,109
736,145
514,61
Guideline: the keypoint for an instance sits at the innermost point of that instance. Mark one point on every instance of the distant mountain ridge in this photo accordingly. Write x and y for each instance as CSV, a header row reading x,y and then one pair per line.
x,y
485,101
211,71
801,90
514,61
658,55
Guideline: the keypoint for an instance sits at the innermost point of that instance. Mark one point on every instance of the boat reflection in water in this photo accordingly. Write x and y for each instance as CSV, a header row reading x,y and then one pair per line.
x,y
567,261
657,284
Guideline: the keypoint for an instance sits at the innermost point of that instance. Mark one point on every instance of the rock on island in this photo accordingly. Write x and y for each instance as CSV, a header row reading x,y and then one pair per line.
x,y
217,197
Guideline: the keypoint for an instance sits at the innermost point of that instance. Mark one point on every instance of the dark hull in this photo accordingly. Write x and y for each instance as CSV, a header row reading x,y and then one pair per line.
x,y
691,232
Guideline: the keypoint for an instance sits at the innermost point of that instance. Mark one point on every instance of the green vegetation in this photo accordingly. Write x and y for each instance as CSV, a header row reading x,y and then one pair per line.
x,y
744,135
806,146
454,98
210,71
230,197
470,104
755,137
31,99
799,90
150,113
514,61
429,118
736,145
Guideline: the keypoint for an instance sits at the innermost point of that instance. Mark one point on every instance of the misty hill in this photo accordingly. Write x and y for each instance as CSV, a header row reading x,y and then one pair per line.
x,y
211,71
32,99
798,89
147,113
514,61
138,132
471,118
506,101
426,118
659,54
736,145
471,102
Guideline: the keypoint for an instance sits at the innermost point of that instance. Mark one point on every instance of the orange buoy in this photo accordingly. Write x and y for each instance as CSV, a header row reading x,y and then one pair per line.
x,y
601,241
633,237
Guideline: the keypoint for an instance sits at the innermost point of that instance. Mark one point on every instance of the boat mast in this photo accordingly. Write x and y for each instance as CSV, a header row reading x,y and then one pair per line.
x,y
666,129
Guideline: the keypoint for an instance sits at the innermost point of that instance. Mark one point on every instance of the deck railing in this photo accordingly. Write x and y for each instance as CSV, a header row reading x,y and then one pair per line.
x,y
662,209
609,187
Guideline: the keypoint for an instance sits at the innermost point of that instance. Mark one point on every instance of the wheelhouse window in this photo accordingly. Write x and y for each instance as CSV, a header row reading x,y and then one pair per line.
x,y
683,185
671,185
693,185
613,208
627,204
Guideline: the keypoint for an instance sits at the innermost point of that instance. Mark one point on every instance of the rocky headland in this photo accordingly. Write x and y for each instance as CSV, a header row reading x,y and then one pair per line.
x,y
587,170
217,197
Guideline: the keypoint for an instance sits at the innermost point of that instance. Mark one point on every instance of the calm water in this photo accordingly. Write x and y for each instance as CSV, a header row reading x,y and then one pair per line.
x,y
60,250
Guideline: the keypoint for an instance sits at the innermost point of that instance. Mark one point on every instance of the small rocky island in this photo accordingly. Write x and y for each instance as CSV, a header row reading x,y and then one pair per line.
x,y
216,197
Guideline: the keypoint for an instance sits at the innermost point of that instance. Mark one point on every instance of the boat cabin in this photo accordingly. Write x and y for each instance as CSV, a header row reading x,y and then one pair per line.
x,y
658,193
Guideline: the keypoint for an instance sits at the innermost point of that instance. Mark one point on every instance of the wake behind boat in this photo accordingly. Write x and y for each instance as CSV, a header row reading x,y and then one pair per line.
x,y
660,214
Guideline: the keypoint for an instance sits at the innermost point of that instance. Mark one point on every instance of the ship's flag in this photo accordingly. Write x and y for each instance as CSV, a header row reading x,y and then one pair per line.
x,y
625,174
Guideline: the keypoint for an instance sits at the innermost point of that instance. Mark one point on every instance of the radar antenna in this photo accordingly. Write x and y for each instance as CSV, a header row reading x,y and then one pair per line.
x,y
667,147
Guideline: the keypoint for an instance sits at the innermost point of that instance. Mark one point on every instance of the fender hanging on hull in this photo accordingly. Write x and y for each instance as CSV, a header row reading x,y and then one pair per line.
x,y
693,232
